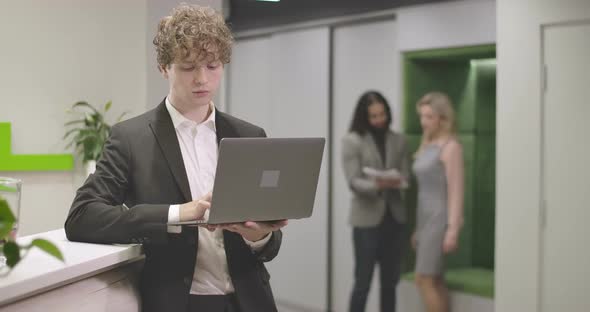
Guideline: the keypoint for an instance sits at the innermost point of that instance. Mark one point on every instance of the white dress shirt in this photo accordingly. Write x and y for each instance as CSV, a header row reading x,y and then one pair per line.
x,y
198,145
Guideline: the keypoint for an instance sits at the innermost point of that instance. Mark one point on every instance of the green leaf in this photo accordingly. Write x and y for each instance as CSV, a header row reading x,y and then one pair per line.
x,y
89,139
73,122
70,144
84,104
7,219
5,228
89,119
96,152
107,106
8,189
5,212
85,135
121,116
69,132
48,247
12,253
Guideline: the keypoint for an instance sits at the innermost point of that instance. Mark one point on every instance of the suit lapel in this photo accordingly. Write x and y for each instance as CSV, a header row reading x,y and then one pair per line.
x,y
223,128
165,134
374,150
389,149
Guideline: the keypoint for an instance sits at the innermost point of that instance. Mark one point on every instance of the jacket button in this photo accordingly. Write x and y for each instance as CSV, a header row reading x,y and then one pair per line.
x,y
187,281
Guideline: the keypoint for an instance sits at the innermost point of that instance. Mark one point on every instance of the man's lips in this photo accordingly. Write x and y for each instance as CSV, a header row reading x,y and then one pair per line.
x,y
201,93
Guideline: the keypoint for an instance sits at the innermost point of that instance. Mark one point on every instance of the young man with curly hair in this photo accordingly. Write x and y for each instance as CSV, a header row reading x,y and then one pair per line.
x,y
160,166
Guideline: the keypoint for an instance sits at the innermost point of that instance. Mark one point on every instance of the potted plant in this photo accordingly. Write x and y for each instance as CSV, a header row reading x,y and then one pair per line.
x,y
10,250
89,131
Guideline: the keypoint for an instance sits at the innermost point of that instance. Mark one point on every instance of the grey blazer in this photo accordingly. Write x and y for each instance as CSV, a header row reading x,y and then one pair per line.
x,y
368,204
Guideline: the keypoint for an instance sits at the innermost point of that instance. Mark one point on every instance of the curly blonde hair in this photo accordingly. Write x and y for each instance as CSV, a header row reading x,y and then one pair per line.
x,y
193,32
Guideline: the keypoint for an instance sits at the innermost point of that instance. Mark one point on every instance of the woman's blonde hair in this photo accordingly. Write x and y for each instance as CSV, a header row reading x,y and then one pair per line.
x,y
441,104
191,32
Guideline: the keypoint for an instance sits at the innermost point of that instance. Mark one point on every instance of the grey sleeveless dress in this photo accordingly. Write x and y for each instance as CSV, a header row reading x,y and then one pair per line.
x,y
431,214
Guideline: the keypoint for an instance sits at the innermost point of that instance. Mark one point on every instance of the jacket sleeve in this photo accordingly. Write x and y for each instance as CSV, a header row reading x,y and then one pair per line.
x,y
351,162
98,213
272,247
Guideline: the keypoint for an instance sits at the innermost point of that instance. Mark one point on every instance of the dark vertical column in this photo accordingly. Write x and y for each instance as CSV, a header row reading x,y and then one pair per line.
x,y
330,169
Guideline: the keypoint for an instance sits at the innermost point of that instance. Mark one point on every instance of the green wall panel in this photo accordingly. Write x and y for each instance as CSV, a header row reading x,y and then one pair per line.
x,y
484,211
468,75
454,54
9,162
485,96
463,74
450,78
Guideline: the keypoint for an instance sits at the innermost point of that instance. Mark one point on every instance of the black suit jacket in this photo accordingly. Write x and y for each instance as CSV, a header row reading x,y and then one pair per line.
x,y
139,175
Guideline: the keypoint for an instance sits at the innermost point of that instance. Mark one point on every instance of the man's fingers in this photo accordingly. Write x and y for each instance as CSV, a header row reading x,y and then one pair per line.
x,y
204,204
234,227
211,227
275,225
254,226
282,223
208,197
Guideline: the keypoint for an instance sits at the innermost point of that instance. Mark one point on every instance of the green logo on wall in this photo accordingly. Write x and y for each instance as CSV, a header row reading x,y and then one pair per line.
x,y
37,162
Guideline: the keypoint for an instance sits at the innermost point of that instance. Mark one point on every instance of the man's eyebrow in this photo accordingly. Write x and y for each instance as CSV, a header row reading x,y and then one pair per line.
x,y
198,62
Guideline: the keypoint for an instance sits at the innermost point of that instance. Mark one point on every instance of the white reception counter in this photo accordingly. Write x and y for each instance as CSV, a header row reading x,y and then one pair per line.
x,y
94,277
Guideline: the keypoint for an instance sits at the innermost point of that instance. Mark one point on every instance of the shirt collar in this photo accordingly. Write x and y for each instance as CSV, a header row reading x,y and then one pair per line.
x,y
178,120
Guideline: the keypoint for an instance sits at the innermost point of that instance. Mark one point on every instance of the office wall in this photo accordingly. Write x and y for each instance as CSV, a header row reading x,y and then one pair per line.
x,y
280,82
449,24
518,229
55,53
250,77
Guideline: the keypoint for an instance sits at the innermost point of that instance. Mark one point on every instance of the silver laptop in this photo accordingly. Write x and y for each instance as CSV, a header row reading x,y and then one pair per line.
x,y
264,179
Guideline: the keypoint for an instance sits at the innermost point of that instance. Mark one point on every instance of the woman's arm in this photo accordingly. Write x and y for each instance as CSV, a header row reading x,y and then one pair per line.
x,y
452,158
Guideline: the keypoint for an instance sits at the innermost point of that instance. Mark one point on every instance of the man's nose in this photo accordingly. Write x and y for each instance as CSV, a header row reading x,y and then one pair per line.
x,y
200,76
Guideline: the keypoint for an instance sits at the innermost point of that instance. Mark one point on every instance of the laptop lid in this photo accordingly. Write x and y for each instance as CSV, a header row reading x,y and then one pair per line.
x,y
265,179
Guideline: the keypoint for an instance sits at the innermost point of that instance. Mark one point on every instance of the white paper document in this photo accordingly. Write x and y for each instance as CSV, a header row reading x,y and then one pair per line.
x,y
385,174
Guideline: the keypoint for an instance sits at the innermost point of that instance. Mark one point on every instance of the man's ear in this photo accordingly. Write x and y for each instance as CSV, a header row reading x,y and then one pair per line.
x,y
163,70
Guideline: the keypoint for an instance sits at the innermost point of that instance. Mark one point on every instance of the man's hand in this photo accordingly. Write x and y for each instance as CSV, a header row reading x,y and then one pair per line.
x,y
253,231
383,183
195,210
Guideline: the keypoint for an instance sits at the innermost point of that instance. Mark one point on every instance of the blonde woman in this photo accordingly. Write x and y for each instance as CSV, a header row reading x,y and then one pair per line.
x,y
438,168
